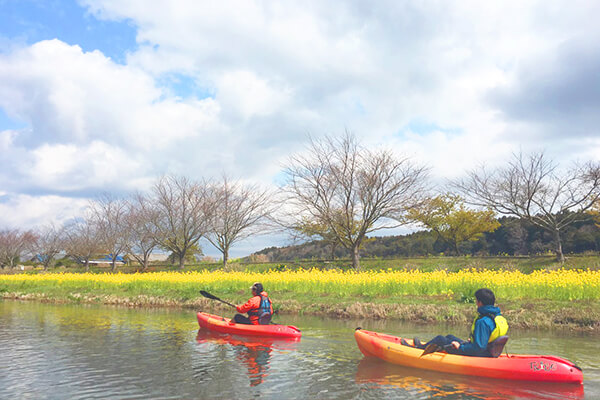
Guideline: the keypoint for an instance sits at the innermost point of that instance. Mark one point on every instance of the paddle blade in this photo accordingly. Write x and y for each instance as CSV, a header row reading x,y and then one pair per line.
x,y
430,348
208,295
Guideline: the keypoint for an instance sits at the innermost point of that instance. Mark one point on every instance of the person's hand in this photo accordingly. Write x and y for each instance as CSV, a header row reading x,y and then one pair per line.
x,y
455,344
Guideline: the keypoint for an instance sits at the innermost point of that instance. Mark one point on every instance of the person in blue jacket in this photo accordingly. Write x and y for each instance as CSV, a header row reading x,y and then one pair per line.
x,y
487,326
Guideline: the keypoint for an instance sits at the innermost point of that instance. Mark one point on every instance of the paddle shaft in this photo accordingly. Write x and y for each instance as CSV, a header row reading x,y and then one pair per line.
x,y
229,304
213,297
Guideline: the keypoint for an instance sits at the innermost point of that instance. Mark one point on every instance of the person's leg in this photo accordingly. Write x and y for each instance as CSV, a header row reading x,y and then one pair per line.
x,y
439,340
452,338
418,344
240,319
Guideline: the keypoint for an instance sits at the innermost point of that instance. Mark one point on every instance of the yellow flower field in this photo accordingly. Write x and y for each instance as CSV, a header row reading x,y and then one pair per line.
x,y
554,285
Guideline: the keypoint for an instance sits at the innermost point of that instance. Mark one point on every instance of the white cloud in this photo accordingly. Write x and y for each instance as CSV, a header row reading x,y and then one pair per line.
x,y
91,122
277,71
28,212
249,95
67,95
319,68
68,167
6,139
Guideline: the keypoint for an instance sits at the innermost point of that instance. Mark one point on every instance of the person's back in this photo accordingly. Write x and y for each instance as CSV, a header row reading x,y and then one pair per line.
x,y
258,307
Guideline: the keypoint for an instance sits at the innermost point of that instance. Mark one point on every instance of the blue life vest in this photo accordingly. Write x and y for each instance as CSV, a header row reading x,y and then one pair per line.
x,y
264,309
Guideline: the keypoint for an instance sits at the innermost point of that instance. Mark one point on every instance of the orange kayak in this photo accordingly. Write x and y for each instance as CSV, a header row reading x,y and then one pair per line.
x,y
216,323
515,366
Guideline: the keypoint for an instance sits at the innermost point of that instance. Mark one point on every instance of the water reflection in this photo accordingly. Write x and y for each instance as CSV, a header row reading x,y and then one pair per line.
x,y
52,351
252,352
423,383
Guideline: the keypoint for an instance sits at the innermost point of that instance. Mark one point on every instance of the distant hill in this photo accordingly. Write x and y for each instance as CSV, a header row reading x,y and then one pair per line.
x,y
514,237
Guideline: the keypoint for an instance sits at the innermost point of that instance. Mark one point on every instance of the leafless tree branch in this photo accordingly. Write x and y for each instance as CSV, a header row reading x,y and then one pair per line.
x,y
351,190
240,211
532,187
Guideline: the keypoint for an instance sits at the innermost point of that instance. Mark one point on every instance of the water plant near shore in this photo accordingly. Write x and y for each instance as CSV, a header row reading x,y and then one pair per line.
x,y
509,285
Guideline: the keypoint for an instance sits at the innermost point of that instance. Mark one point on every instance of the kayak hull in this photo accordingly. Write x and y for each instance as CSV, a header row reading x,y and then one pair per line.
x,y
250,342
515,366
217,323
432,384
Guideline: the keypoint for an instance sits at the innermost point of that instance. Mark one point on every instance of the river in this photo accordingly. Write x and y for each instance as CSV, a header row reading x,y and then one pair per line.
x,y
50,351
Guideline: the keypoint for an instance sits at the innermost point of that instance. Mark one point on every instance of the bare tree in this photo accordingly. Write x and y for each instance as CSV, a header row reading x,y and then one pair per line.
x,y
350,190
14,243
82,242
109,216
141,219
240,211
594,211
532,187
50,242
183,209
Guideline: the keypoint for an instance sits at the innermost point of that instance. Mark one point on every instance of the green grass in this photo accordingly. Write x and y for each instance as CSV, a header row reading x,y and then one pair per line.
x,y
546,309
426,264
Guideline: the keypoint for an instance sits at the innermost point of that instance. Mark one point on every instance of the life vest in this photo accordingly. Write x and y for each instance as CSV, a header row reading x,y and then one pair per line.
x,y
500,329
264,308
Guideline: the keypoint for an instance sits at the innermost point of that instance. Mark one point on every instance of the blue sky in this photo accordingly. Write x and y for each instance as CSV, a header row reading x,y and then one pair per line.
x,y
9,123
26,22
107,95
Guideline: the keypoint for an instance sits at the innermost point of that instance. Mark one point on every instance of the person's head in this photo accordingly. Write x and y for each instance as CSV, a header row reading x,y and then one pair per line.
x,y
485,297
257,288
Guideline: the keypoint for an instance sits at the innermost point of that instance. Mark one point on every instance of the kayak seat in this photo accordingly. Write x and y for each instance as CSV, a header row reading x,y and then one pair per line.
x,y
495,348
266,320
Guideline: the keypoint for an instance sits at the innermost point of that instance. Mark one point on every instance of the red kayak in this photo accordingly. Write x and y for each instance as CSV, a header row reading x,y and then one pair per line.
x,y
513,366
224,325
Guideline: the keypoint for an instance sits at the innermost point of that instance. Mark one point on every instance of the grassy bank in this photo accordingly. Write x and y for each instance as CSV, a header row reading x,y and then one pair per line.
x,y
525,264
542,299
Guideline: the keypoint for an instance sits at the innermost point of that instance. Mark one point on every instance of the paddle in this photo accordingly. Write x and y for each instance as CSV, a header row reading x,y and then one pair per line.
x,y
432,348
213,297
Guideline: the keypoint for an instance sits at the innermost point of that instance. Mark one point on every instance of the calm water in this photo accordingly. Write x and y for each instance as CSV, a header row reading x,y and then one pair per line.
x,y
81,352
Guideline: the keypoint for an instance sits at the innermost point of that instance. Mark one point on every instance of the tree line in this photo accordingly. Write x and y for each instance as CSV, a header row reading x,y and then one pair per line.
x,y
173,216
513,237
340,192
337,191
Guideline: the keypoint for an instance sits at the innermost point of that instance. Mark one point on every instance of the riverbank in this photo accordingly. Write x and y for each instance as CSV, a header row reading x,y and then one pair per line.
x,y
562,299
577,316
525,264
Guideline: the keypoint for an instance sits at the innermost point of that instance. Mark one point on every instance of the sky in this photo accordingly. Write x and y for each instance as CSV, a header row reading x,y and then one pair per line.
x,y
104,96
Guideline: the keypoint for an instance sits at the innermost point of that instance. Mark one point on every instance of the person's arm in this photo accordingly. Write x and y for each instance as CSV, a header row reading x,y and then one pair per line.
x,y
479,343
249,305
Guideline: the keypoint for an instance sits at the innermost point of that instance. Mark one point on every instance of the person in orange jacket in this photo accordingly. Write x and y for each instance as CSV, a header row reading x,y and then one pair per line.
x,y
259,308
